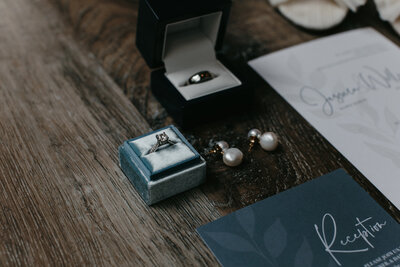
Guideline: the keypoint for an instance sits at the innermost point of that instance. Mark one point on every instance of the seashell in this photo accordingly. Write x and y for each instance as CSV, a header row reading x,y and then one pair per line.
x,y
389,10
316,14
353,5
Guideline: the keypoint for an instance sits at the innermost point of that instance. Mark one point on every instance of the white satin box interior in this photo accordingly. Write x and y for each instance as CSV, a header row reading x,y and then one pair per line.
x,y
189,49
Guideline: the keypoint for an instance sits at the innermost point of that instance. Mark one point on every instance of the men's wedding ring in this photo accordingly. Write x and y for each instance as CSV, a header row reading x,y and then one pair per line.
x,y
200,77
162,139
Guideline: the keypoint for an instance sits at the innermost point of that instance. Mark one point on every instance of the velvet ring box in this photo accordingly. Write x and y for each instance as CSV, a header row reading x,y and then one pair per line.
x,y
171,169
179,38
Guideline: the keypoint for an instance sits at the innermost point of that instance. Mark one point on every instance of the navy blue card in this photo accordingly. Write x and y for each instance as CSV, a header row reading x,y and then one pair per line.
x,y
329,221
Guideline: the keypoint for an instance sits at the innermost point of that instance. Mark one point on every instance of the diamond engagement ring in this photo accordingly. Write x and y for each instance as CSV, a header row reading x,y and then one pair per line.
x,y
162,139
200,77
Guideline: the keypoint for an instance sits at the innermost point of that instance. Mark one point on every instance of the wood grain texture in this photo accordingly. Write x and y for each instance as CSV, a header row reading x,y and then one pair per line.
x,y
63,198
69,74
107,28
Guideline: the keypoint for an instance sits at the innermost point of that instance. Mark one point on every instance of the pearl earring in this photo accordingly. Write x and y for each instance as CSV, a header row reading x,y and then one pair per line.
x,y
232,157
268,140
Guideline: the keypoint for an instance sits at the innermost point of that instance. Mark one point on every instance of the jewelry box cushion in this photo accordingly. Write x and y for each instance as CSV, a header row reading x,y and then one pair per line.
x,y
167,156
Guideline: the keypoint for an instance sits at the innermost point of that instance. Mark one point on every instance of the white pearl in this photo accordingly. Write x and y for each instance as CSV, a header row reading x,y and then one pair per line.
x,y
254,133
223,145
232,157
269,141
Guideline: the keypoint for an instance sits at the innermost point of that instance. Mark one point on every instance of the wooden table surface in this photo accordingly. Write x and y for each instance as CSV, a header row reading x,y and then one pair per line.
x,y
73,87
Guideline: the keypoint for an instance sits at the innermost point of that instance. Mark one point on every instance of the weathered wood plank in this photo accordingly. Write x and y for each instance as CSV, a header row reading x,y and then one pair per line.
x,y
63,198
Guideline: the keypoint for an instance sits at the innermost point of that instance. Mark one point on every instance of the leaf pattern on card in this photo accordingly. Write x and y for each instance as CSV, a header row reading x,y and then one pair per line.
x,y
392,120
370,112
294,65
304,256
317,79
337,87
275,239
356,128
246,219
385,152
321,115
231,242
332,263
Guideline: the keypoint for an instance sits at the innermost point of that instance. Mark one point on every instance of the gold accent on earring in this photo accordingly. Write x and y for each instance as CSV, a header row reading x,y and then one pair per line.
x,y
254,137
215,150
219,147
253,140
231,157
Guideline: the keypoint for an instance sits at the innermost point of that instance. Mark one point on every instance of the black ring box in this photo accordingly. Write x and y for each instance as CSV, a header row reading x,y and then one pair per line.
x,y
170,36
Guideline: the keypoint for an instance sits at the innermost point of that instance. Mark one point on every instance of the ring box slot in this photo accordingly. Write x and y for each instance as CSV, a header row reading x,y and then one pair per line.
x,y
179,38
188,49
172,169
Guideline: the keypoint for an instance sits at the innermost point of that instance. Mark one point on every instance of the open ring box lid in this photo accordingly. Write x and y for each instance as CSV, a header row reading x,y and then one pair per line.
x,y
179,38
171,169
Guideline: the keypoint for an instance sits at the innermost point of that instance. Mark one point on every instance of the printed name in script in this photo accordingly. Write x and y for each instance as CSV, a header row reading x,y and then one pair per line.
x,y
369,79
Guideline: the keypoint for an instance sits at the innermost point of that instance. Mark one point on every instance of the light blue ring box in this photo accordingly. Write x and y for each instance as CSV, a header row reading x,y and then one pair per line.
x,y
170,170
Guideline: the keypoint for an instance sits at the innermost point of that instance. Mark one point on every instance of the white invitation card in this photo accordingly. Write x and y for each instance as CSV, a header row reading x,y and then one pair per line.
x,y
348,87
